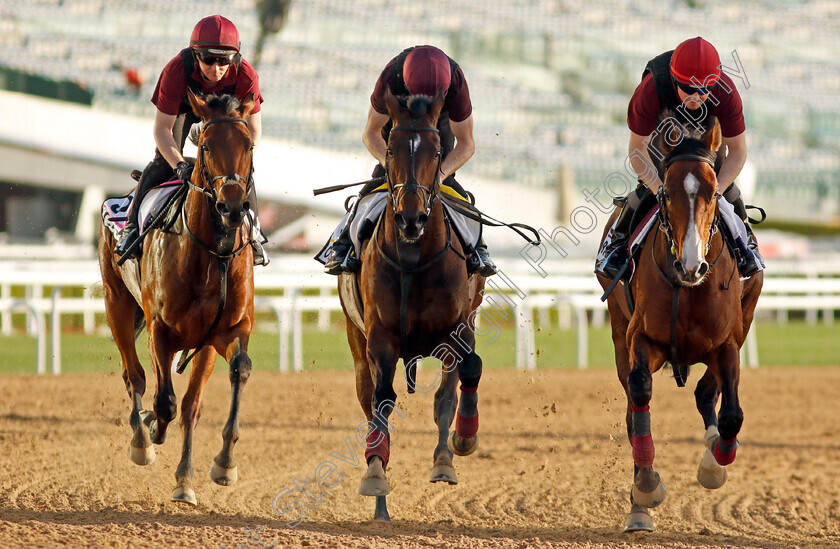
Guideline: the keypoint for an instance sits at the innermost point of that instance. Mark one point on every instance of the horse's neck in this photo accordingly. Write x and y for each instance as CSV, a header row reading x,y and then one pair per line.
x,y
202,225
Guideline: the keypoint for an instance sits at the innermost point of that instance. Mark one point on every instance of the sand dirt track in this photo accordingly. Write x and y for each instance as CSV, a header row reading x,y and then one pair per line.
x,y
553,468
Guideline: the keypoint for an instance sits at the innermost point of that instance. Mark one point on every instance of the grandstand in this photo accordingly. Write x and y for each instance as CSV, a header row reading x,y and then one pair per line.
x,y
550,79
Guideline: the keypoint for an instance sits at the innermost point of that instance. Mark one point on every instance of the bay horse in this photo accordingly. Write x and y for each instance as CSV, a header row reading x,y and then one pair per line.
x,y
416,299
193,288
687,306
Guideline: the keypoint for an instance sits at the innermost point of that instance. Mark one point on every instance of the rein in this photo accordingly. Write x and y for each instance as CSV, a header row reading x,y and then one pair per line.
x,y
223,259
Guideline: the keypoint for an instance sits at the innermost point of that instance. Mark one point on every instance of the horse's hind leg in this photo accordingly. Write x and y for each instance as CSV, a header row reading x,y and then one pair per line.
x,y
121,310
709,474
166,404
223,470
191,404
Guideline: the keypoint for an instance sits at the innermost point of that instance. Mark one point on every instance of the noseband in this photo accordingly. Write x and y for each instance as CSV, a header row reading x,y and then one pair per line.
x,y
397,191
230,179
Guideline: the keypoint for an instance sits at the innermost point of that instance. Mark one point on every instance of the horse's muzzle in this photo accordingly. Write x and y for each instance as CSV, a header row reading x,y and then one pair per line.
x,y
411,225
691,276
232,211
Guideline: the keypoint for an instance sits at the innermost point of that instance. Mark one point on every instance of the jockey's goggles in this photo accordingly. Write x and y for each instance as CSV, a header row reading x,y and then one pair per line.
x,y
691,90
211,56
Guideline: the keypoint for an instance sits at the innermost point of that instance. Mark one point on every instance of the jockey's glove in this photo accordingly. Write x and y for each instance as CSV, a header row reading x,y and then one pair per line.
x,y
184,171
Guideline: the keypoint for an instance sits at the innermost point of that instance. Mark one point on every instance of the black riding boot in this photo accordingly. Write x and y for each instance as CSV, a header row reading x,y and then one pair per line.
x,y
480,261
748,259
341,258
156,172
615,256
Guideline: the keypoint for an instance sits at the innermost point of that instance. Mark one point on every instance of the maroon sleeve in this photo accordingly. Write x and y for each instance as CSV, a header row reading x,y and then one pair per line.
x,y
458,103
248,82
730,111
377,98
171,87
643,110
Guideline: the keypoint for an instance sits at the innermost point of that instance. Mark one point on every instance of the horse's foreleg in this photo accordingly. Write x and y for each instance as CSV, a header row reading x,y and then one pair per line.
x,y
731,416
648,489
120,308
200,372
446,400
709,474
224,470
382,358
464,439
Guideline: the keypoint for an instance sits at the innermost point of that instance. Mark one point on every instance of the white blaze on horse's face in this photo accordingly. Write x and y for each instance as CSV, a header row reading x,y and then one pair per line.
x,y
693,253
415,143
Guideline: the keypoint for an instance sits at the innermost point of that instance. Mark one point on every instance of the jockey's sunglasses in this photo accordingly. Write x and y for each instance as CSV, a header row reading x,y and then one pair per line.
x,y
211,58
691,90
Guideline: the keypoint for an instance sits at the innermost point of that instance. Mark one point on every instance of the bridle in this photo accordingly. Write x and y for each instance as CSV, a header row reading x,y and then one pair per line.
x,y
397,191
662,196
209,189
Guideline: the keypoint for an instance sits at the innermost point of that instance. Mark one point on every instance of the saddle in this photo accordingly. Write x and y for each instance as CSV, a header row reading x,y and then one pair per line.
x,y
159,209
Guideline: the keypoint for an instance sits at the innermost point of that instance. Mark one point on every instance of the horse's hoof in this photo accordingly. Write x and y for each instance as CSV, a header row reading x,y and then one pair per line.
x,y
374,487
652,498
442,472
142,456
639,520
374,481
461,446
184,494
223,476
709,474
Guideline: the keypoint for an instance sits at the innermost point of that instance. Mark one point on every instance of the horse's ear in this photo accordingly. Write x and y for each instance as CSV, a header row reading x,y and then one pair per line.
x,y
198,104
247,106
713,138
437,106
392,104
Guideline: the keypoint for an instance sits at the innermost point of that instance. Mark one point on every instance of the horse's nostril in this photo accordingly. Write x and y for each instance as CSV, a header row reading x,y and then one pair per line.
x,y
222,208
399,220
703,269
246,205
679,267
422,219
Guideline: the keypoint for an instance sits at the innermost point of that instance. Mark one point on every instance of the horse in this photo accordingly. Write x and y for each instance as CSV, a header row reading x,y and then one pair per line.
x,y
685,304
192,288
416,301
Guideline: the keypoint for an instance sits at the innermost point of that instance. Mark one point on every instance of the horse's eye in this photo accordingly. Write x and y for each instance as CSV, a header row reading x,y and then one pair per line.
x,y
389,152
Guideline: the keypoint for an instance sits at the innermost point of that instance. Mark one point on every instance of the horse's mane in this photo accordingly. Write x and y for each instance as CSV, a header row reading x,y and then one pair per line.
x,y
227,104
691,142
417,105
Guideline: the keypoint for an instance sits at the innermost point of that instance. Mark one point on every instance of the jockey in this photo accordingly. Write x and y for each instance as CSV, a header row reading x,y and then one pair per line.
x,y
688,84
211,64
421,70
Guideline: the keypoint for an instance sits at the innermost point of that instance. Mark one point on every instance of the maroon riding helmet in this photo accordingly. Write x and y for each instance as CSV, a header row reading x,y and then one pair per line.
x,y
695,62
426,69
215,33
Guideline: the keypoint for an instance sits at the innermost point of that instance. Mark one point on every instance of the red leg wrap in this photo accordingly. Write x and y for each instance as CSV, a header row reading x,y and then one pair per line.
x,y
643,451
466,427
725,458
378,445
